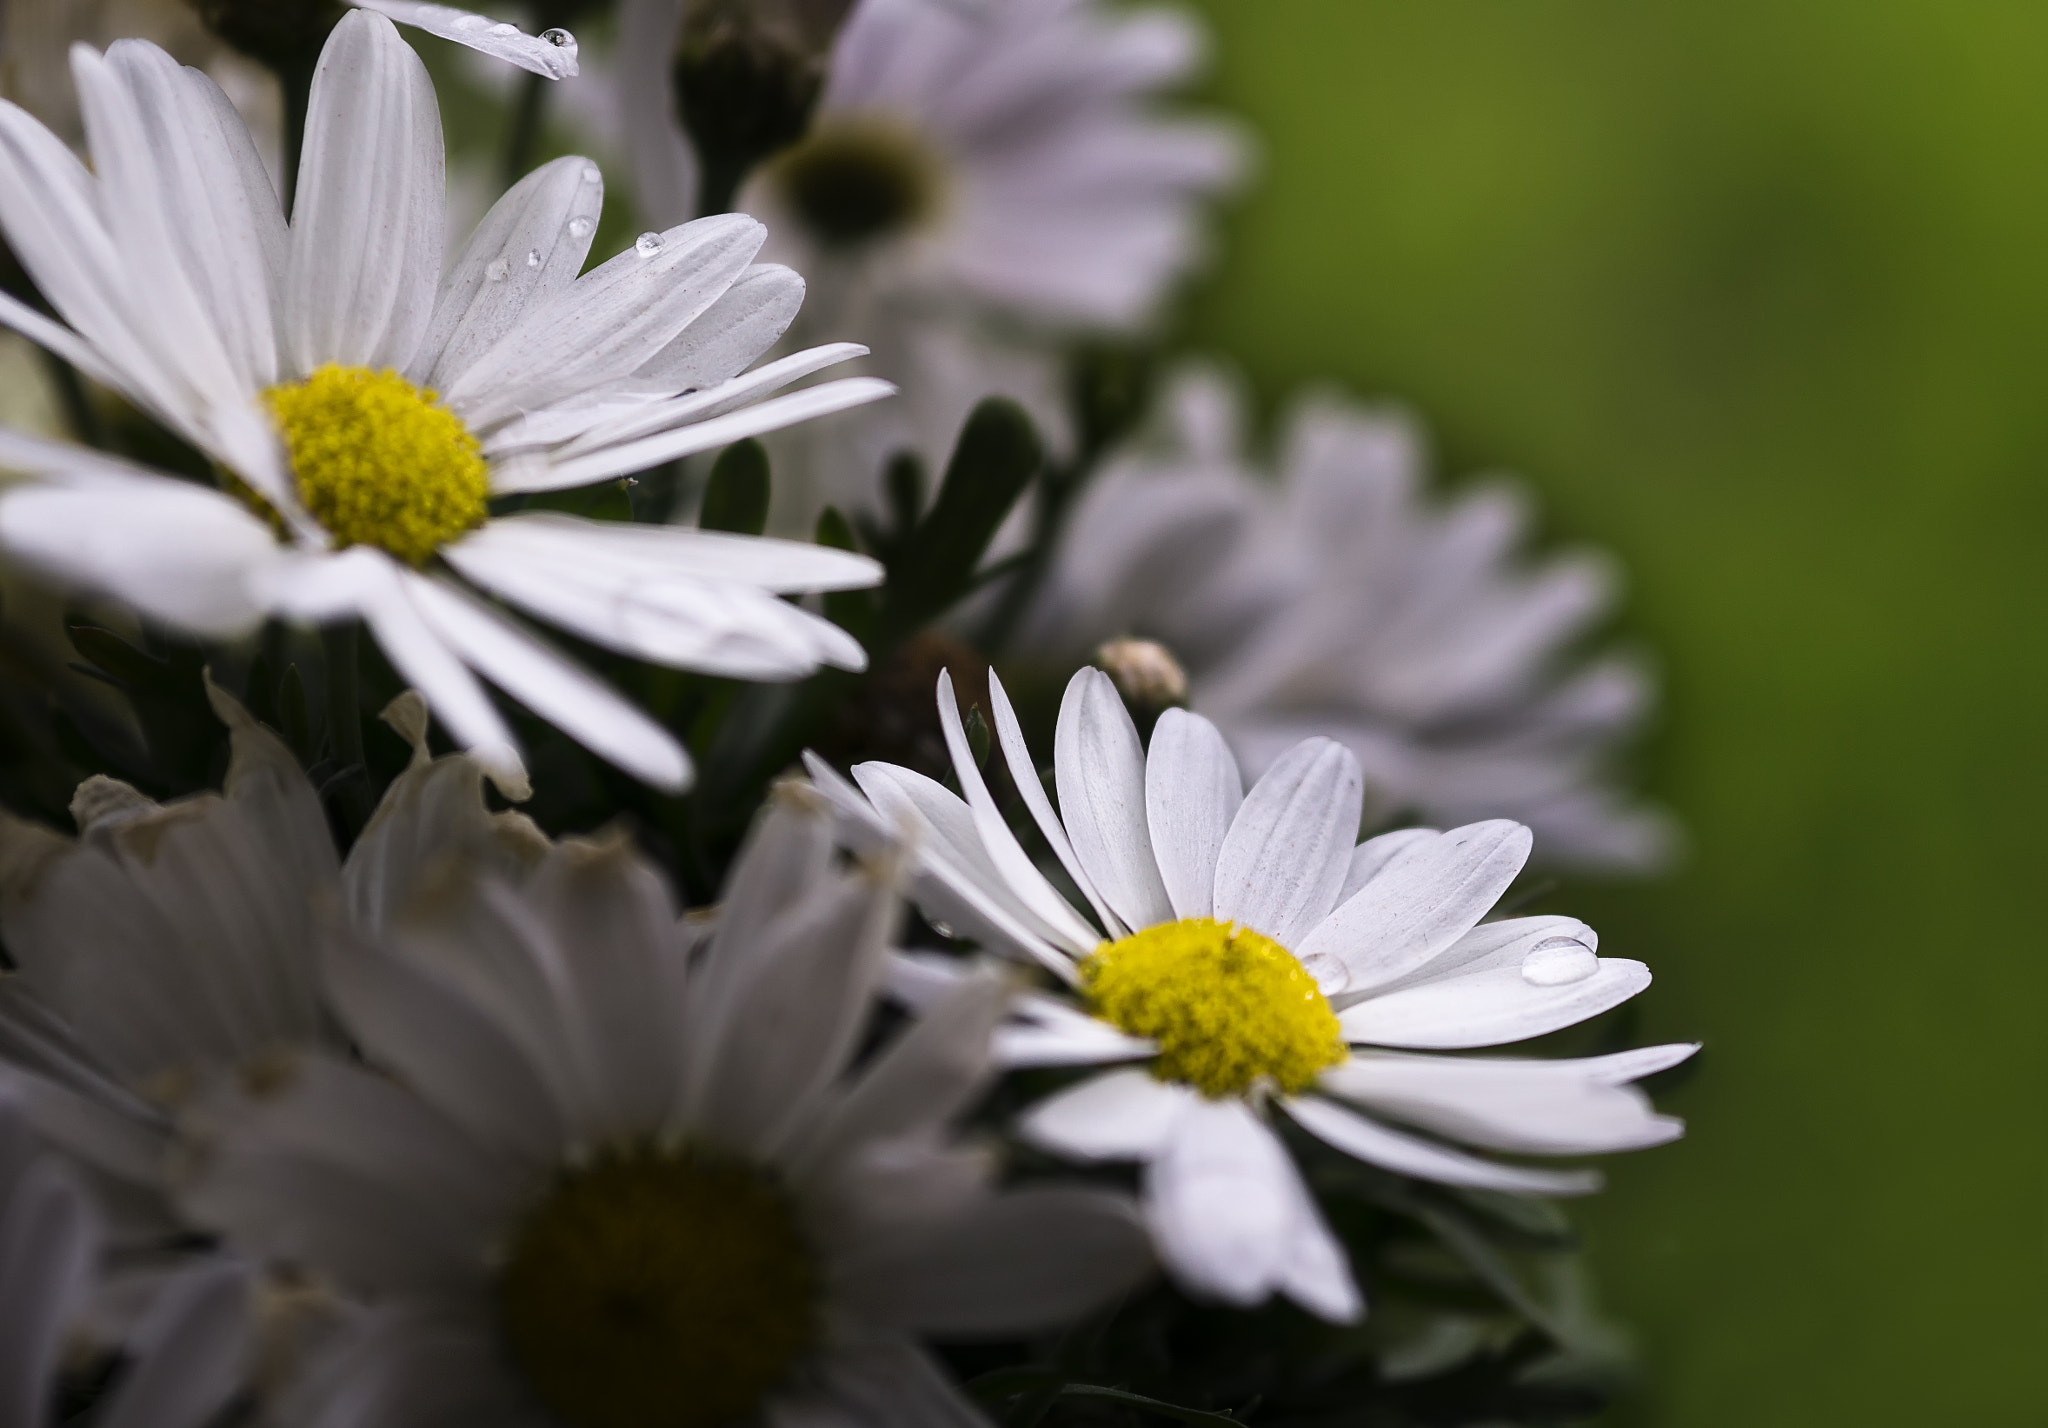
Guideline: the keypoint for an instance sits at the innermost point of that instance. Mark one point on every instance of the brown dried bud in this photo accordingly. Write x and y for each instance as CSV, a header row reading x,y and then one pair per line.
x,y
1145,673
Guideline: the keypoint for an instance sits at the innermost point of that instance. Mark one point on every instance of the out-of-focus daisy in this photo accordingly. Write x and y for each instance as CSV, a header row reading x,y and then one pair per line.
x,y
1337,596
365,410
1241,946
976,177
627,1171
173,943
187,1352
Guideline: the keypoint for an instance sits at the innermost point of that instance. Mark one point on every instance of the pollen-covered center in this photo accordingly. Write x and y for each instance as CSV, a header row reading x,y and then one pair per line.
x,y
380,461
1228,1007
851,183
656,1290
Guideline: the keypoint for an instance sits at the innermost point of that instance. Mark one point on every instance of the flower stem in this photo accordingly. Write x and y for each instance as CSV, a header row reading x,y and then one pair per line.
x,y
351,780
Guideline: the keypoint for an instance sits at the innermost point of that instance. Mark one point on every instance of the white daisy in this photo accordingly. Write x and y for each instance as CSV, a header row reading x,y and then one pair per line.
x,y
1337,596
305,361
188,1350
976,176
1240,944
626,1172
171,943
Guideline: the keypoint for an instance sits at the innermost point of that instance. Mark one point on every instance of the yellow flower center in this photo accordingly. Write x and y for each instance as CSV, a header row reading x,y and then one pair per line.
x,y
381,462
855,181
658,1290
1230,1009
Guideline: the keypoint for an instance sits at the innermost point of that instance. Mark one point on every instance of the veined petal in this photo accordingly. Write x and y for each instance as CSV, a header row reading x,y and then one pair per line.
x,y
786,567
1406,1155
1222,1202
1024,775
537,54
1284,859
1192,792
1099,767
1429,894
731,335
1488,1008
367,224
527,250
757,420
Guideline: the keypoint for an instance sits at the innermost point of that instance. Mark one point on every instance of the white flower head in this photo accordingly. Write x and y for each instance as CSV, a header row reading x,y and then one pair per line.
x,y
1337,595
976,176
1241,945
187,1352
366,409
627,1170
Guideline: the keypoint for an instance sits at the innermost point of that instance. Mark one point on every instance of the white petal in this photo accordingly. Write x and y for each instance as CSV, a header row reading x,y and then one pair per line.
x,y
786,567
1493,945
1121,1115
1488,1008
1048,1032
527,250
550,59
188,1355
1221,1200
1354,1135
1099,767
758,420
1575,1107
367,225
181,553
881,1379
1317,1272
609,322
1430,894
1018,1263
1192,792
997,840
49,1240
1369,857
731,335
1284,859
551,686
1024,776
365,583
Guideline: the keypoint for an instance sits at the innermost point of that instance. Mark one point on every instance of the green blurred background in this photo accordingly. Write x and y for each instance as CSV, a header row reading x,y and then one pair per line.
x,y
1756,294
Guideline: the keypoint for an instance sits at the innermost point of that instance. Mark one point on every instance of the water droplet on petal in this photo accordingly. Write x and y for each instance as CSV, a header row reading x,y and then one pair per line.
x,y
533,257
1558,962
471,22
648,243
591,174
497,270
580,227
561,39
1331,975
504,29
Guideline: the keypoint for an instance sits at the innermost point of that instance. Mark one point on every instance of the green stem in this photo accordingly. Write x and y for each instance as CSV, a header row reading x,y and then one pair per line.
x,y
345,720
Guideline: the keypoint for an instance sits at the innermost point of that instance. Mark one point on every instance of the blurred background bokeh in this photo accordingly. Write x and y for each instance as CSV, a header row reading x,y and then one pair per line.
x,y
1755,294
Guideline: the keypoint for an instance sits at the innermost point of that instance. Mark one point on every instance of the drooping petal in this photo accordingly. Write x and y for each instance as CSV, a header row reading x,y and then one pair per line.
x,y
550,54
1407,1155
1222,1204
1120,1115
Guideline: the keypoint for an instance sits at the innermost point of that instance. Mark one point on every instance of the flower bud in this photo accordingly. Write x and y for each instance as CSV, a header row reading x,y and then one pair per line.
x,y
1145,673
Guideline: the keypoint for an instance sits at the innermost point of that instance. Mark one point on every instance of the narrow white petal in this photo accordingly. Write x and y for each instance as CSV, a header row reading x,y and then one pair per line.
x,y
538,54
1489,1008
189,1354
1317,1273
786,567
731,335
367,225
1221,1201
1192,792
1430,893
1369,857
758,420
1024,775
997,840
1406,1155
1099,768
1493,945
553,687
1121,1115
1285,857
49,1240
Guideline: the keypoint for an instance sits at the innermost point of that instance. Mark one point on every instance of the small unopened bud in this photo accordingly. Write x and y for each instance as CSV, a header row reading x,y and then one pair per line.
x,y
1145,673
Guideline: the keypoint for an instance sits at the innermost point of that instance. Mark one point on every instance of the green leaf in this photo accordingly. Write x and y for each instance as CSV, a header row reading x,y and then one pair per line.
x,y
110,653
997,456
294,720
1150,1405
736,496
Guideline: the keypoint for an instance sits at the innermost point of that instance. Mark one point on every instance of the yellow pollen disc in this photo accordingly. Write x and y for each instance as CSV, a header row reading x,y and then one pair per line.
x,y
654,1290
381,462
1229,1008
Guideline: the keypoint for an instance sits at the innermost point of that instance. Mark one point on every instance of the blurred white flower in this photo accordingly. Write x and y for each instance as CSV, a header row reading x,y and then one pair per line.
x,y
977,178
186,1353
1337,596
622,1173
305,361
1243,946
170,944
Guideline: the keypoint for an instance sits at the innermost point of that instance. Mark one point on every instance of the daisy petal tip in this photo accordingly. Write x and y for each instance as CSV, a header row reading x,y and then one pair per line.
x,y
507,771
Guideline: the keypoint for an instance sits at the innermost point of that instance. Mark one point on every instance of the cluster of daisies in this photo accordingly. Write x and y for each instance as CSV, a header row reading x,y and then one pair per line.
x,y
447,1115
